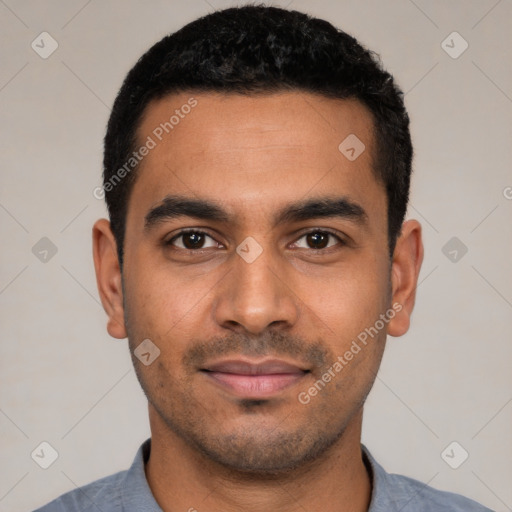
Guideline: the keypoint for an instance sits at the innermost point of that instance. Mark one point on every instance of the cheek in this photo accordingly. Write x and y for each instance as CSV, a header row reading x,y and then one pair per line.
x,y
350,301
157,295
165,307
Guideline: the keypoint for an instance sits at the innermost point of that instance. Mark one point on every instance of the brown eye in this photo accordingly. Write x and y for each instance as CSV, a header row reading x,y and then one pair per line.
x,y
192,240
318,240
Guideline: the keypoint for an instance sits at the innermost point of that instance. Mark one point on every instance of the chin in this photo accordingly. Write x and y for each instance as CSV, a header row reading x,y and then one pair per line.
x,y
263,450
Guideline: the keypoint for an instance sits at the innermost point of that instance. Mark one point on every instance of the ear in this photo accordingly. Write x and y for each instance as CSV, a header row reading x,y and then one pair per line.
x,y
108,277
406,265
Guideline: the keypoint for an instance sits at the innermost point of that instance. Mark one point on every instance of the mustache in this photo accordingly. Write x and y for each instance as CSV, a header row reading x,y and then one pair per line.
x,y
271,343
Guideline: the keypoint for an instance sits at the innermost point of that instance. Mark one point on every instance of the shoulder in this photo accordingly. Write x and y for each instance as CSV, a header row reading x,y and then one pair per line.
x,y
393,492
104,494
413,495
122,491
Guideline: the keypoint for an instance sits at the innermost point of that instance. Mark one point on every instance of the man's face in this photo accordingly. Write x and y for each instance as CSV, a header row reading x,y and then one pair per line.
x,y
241,337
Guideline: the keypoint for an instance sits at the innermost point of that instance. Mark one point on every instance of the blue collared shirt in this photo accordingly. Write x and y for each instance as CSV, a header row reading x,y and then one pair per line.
x,y
128,491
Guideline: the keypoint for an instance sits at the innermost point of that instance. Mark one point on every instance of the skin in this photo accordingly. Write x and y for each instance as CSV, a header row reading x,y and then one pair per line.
x,y
211,449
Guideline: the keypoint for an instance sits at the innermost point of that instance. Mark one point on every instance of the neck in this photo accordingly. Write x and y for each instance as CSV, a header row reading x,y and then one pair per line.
x,y
180,478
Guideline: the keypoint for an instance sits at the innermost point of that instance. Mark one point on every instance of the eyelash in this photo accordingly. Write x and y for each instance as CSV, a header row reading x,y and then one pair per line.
x,y
169,243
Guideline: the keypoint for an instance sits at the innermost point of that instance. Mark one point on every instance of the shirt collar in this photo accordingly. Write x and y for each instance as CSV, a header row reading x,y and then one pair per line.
x,y
382,498
136,494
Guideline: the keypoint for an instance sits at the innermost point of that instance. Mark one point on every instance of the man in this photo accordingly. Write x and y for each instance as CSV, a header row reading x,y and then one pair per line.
x,y
256,171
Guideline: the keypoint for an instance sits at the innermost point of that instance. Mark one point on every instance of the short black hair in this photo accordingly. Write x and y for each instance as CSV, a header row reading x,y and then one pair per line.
x,y
259,49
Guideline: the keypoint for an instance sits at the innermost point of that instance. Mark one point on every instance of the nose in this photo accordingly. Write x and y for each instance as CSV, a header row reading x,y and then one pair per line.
x,y
255,295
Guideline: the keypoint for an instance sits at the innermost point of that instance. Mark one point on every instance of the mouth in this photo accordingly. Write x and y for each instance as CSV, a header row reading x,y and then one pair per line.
x,y
254,380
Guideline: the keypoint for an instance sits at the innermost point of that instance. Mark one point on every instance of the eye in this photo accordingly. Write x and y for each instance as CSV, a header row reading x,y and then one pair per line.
x,y
192,240
318,240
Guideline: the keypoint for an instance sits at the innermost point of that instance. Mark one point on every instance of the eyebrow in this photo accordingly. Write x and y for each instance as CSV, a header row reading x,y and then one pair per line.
x,y
174,206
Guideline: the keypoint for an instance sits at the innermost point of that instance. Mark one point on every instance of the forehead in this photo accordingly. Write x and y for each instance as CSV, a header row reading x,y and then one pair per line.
x,y
256,152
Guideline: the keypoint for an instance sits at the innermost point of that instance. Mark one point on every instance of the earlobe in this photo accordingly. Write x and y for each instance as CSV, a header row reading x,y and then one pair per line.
x,y
108,277
406,265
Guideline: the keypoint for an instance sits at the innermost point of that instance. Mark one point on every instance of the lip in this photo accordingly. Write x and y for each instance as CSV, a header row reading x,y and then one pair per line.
x,y
256,380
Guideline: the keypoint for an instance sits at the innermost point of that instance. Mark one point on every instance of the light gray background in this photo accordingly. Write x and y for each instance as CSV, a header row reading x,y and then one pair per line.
x,y
65,381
